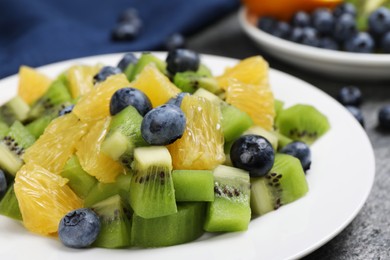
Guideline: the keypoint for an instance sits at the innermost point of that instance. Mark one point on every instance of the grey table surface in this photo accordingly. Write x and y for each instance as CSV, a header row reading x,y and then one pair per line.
x,y
368,235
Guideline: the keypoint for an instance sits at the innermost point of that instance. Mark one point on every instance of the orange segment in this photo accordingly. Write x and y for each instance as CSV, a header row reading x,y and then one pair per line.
x,y
155,85
32,84
81,79
201,146
54,147
253,70
92,159
95,104
44,198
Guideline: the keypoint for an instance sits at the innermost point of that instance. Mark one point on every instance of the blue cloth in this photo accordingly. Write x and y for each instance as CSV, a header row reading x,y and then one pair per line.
x,y
38,32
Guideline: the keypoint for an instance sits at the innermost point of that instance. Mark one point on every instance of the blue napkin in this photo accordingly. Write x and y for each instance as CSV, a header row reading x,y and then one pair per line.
x,y
38,32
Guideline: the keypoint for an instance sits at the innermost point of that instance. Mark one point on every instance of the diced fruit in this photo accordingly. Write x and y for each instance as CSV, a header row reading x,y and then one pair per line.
x,y
115,218
306,128
230,210
3,129
201,146
155,85
271,136
234,121
54,147
190,81
146,59
81,79
163,125
38,126
151,190
193,185
125,97
184,226
201,92
79,180
252,153
92,159
299,150
95,105
285,183
180,60
9,205
44,198
79,228
32,84
14,110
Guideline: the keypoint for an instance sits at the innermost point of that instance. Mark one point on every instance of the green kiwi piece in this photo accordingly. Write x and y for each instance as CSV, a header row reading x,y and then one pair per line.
x,y
3,129
14,110
151,190
278,104
38,126
193,185
201,92
270,136
57,94
230,210
79,180
101,191
285,183
146,59
184,226
303,123
13,146
123,136
9,205
115,223
190,81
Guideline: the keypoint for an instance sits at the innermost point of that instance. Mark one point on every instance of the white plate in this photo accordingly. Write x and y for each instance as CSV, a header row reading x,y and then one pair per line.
x,y
336,63
340,180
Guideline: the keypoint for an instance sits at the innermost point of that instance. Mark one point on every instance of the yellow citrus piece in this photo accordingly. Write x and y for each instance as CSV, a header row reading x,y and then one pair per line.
x,y
253,70
155,85
80,79
95,105
32,84
44,198
256,101
201,146
92,159
54,147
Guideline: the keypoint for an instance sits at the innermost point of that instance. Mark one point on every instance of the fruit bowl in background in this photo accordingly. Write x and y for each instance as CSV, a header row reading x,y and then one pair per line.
x,y
327,62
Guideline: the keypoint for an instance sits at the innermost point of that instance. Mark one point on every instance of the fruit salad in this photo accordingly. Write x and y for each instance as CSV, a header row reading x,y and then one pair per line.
x,y
151,152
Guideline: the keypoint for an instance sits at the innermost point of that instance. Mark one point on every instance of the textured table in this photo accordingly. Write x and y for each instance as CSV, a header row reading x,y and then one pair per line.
x,y
368,235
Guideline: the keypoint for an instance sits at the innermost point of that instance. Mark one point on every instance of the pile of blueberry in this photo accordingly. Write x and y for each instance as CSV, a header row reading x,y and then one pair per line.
x,y
334,30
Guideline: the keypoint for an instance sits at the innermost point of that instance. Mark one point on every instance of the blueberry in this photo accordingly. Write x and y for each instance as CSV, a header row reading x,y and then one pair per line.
x,y
253,153
323,21
385,43
299,150
163,125
125,97
104,73
310,37
175,41
362,42
125,31
379,21
357,113
66,110
345,28
300,19
79,228
328,43
176,101
350,96
128,15
180,60
127,59
3,184
266,24
296,34
282,30
344,8
384,117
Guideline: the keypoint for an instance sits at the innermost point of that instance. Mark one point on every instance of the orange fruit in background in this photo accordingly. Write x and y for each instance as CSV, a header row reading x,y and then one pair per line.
x,y
95,105
253,70
58,142
44,198
32,84
80,79
201,146
93,161
155,85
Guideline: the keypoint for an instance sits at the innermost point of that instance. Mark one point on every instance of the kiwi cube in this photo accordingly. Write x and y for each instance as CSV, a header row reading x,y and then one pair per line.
x,y
193,185
15,109
234,121
3,129
190,81
145,59
9,205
